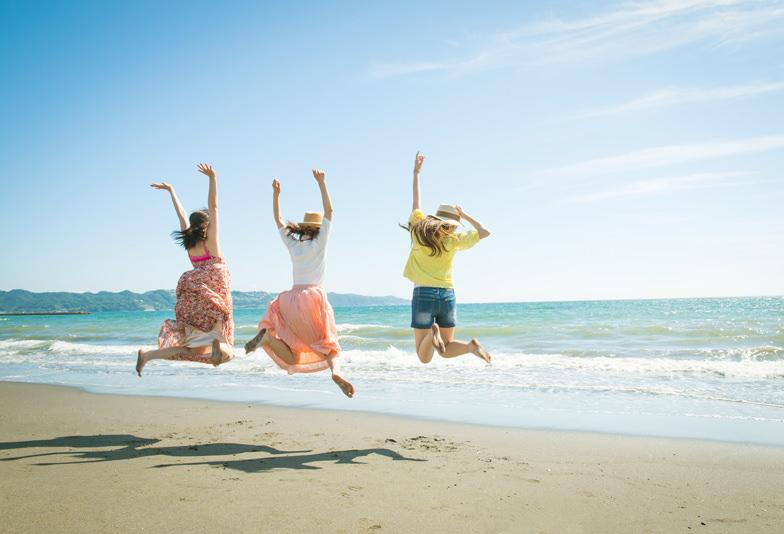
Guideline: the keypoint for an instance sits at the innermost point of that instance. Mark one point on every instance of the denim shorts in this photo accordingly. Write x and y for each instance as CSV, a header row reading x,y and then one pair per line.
x,y
433,304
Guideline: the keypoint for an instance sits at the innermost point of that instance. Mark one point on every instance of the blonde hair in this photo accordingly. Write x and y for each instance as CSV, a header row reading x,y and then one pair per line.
x,y
433,233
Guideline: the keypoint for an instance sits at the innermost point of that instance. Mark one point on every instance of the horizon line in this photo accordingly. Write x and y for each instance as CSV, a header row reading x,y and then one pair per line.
x,y
544,301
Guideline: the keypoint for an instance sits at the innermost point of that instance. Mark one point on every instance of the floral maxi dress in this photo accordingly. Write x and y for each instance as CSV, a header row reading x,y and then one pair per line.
x,y
203,311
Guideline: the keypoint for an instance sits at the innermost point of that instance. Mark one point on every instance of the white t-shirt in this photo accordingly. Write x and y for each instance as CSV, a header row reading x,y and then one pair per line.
x,y
308,257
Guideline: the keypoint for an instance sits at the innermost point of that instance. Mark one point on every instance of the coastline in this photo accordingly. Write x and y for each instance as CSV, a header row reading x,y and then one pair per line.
x,y
25,314
402,417
160,463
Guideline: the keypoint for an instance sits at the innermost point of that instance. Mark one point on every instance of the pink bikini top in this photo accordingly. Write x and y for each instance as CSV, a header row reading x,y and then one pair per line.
x,y
201,259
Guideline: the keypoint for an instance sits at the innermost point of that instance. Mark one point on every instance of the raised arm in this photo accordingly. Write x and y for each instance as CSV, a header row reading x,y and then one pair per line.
x,y
483,232
320,177
418,160
276,203
176,201
213,230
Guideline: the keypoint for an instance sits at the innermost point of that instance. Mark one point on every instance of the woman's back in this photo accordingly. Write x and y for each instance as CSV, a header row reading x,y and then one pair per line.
x,y
431,269
199,253
308,256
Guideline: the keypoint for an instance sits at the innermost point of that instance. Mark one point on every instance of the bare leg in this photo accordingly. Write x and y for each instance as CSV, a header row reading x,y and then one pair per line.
x,y
458,348
218,354
254,343
438,341
143,357
279,347
423,339
140,362
344,385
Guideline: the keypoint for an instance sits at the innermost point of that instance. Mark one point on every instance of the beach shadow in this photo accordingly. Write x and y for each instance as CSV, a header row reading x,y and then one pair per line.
x,y
299,461
128,447
99,440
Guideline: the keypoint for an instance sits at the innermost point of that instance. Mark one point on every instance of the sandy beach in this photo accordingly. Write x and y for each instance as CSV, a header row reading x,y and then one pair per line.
x,y
74,461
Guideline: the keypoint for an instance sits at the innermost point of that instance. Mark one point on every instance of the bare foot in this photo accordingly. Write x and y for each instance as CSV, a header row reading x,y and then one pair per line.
x,y
217,353
253,344
480,351
140,362
438,342
344,385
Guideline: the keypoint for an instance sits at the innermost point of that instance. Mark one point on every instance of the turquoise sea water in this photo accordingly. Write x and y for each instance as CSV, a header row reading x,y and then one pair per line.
x,y
698,368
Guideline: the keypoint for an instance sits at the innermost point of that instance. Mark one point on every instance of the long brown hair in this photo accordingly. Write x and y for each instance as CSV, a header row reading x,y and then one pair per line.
x,y
432,233
196,231
301,232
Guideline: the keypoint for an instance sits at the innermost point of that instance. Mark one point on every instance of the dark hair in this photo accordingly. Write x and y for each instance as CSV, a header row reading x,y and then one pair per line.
x,y
301,232
432,233
196,231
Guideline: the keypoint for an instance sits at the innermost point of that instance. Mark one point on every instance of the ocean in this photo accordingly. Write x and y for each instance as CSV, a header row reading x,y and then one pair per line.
x,y
688,368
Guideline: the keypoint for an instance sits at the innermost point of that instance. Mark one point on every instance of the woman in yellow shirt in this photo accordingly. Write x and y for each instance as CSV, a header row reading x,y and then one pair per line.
x,y
434,243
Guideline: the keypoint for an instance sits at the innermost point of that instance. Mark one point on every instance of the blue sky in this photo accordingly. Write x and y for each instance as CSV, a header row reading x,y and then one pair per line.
x,y
616,150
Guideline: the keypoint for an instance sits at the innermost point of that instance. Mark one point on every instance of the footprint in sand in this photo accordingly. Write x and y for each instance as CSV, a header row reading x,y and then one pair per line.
x,y
435,444
371,527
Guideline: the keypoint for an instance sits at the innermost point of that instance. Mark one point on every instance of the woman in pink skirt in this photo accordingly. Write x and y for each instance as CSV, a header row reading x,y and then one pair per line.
x,y
203,329
298,331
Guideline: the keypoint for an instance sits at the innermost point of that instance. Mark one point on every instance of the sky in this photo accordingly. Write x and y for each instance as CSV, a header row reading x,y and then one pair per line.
x,y
613,149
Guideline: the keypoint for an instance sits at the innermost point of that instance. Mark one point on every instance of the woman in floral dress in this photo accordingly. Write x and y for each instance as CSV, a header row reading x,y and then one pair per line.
x,y
203,328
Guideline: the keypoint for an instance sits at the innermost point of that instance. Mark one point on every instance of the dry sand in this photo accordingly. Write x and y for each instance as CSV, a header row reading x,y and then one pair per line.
x,y
76,462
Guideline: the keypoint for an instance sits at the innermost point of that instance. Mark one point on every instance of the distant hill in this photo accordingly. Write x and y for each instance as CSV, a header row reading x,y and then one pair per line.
x,y
19,300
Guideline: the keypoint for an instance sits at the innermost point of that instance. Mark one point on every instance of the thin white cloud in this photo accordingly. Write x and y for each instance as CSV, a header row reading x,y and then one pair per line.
x,y
630,30
668,155
673,96
663,185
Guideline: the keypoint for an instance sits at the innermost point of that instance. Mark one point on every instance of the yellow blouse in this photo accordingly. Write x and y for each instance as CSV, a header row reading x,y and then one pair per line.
x,y
435,271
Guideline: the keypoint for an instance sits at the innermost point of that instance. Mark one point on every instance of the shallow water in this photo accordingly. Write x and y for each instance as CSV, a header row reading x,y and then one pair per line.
x,y
700,368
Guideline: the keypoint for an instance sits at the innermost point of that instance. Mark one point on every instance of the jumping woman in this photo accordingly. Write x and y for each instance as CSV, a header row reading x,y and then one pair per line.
x,y
298,331
434,242
203,329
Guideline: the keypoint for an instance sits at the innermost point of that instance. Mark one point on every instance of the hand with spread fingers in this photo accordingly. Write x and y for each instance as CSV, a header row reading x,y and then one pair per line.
x,y
163,186
206,169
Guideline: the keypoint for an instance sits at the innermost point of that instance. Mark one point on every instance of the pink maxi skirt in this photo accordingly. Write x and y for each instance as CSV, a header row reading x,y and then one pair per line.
x,y
303,319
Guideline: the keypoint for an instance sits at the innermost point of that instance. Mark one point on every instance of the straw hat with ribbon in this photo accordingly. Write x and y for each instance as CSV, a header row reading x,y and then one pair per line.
x,y
448,213
312,219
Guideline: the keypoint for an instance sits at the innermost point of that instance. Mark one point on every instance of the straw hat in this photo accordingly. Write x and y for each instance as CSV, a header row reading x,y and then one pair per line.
x,y
312,218
448,213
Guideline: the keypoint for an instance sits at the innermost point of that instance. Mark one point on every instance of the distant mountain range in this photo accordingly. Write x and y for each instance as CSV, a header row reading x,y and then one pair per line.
x,y
19,300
